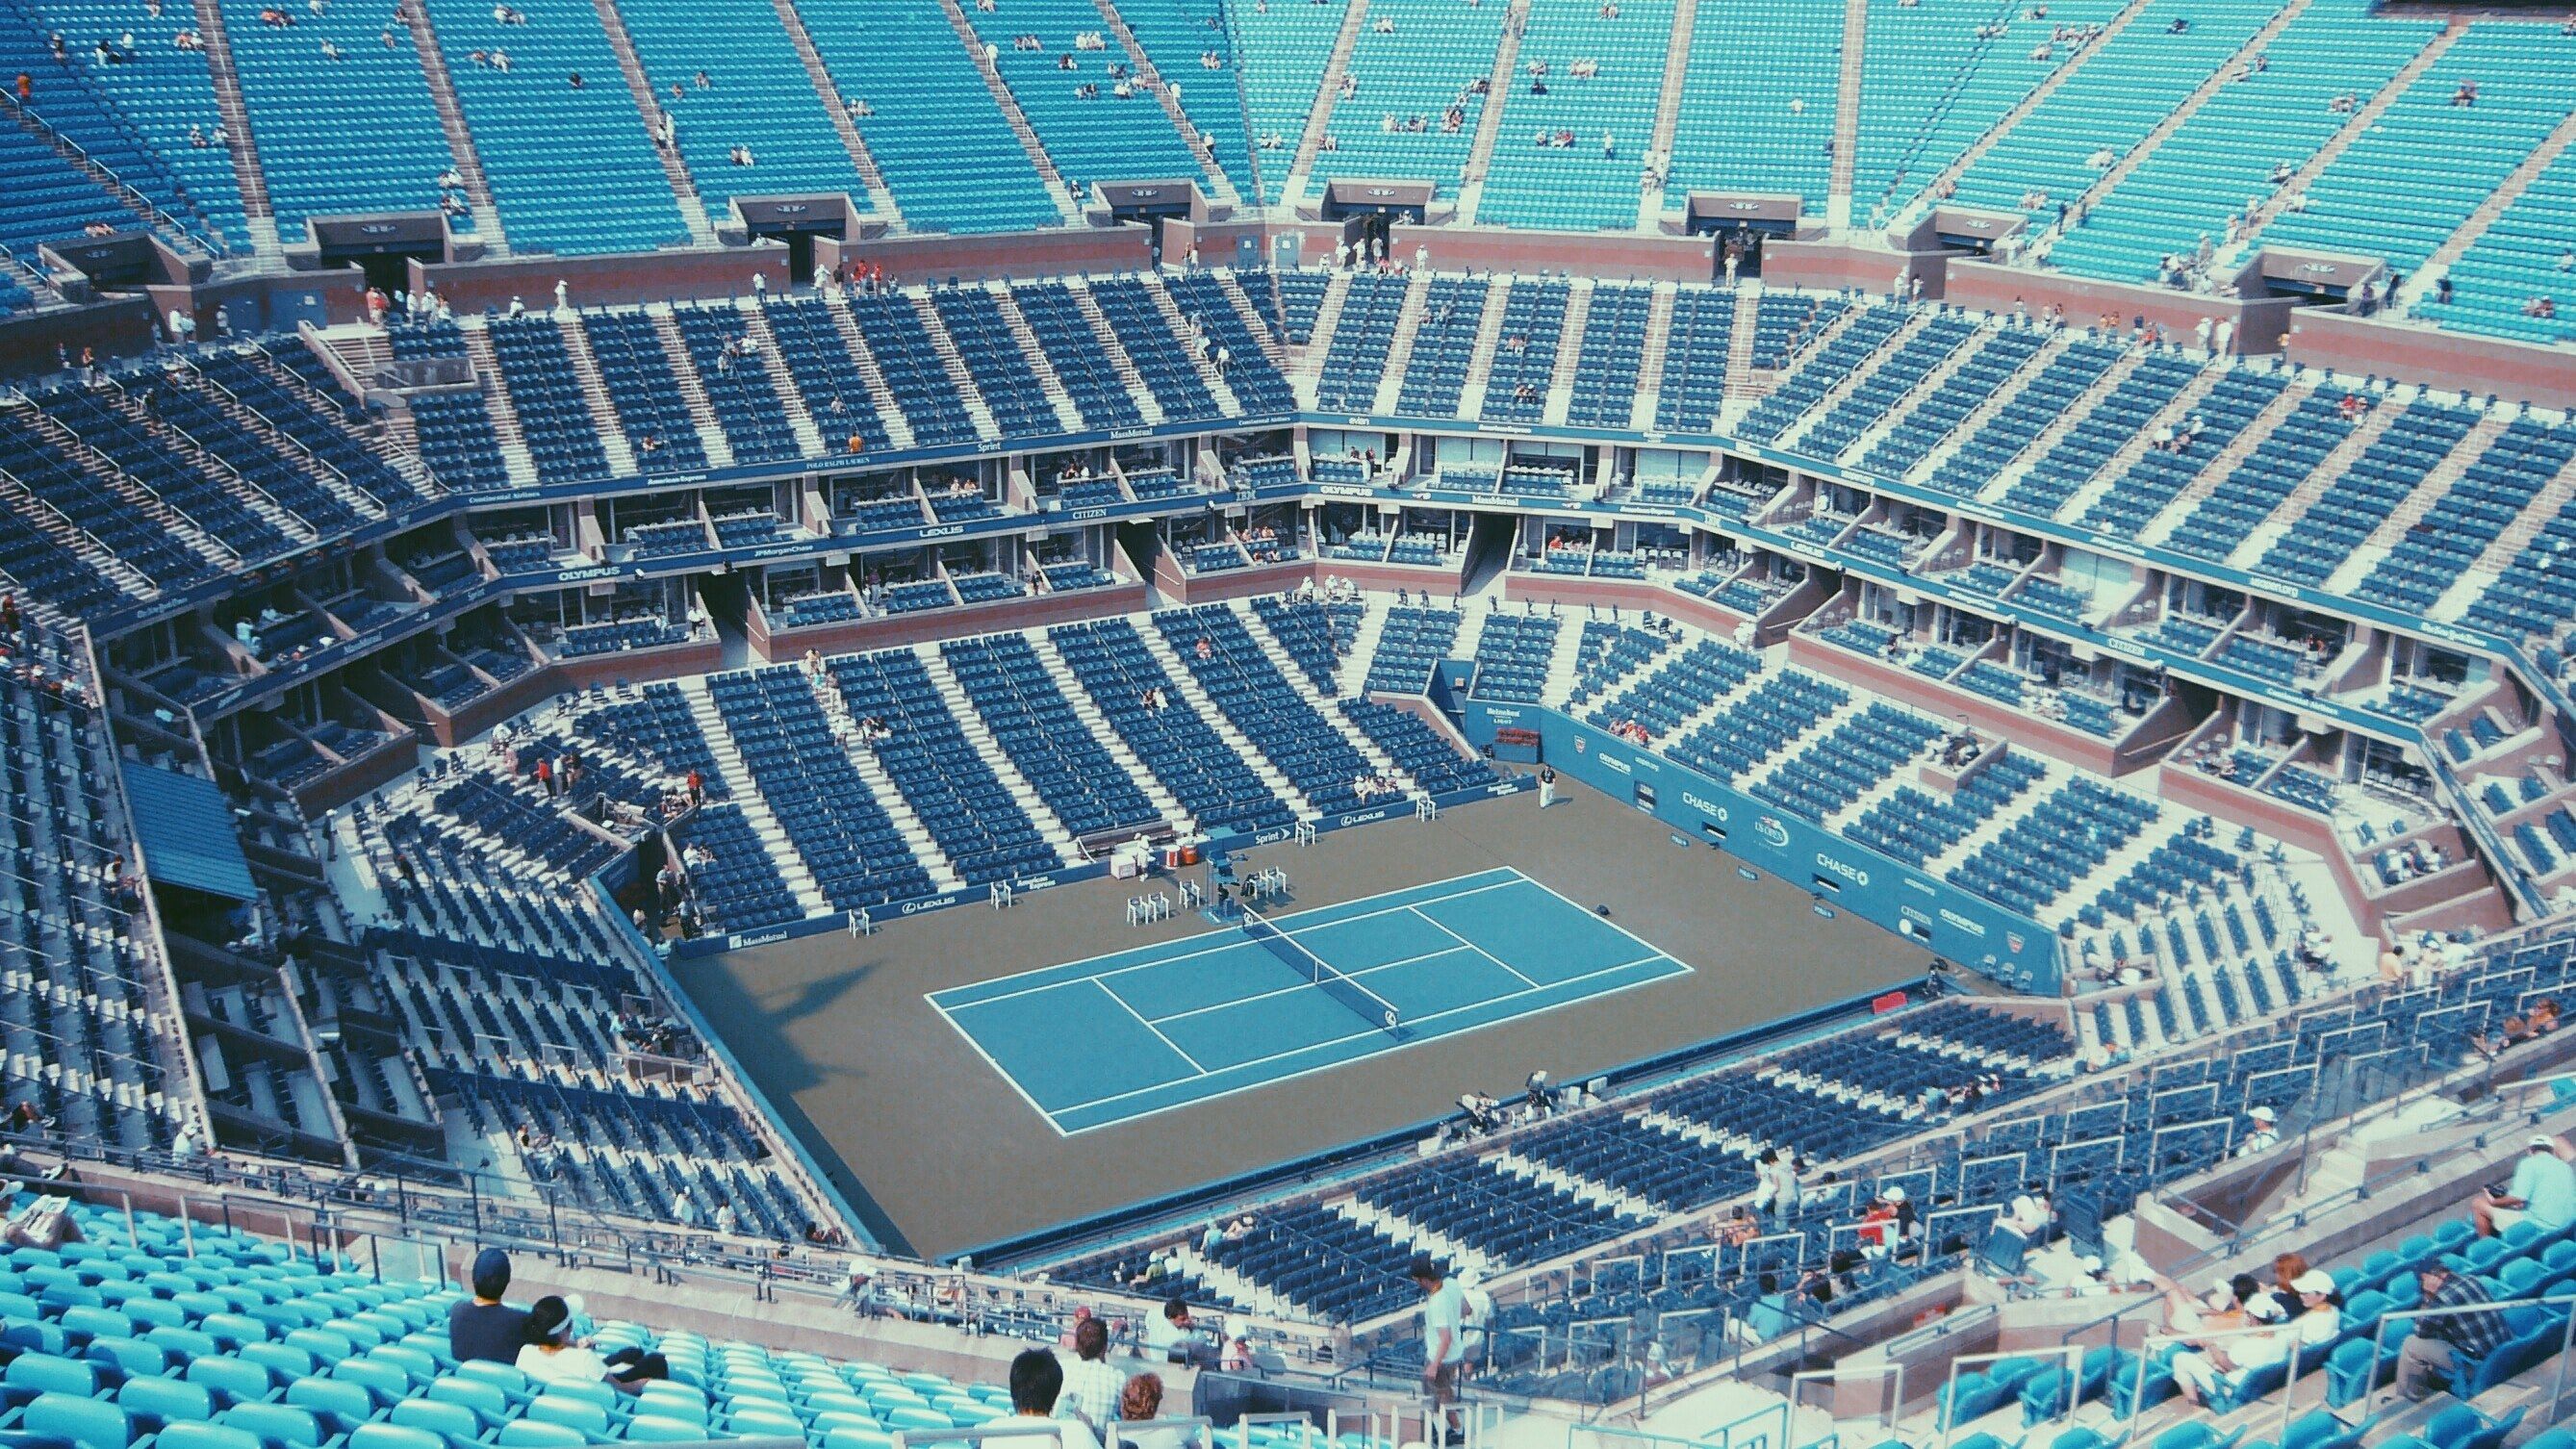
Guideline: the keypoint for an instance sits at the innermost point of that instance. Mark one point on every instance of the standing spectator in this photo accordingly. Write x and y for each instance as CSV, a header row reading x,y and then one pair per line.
x,y
2434,1350
2542,1193
1444,1337
484,1329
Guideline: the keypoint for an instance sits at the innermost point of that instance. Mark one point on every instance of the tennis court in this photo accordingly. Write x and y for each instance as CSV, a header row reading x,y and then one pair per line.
x,y
1116,1037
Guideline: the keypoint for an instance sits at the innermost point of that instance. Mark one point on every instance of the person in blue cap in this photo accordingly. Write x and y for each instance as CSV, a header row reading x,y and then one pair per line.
x,y
486,1328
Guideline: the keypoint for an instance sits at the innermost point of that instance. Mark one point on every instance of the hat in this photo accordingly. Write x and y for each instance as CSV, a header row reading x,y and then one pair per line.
x,y
2543,1142
491,1277
1891,1194
2262,1114
2315,1280
2263,1307
1423,1266
2089,1264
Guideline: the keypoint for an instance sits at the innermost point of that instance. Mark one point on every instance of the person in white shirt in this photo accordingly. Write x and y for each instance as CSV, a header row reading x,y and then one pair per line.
x,y
1036,1381
552,1357
1476,1323
1444,1337
2263,1136
1172,1335
1092,1386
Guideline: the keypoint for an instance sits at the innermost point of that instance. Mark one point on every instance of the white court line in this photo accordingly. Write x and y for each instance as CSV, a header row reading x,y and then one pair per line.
x,y
1358,1035
1472,946
1005,1075
1605,920
1233,938
1125,1006
1310,986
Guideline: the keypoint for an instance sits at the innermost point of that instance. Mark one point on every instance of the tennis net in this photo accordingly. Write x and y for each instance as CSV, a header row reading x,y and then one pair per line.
x,y
1370,1006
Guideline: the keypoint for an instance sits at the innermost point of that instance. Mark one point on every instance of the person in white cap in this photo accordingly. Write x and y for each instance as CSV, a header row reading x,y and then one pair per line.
x,y
2263,1136
2213,1365
2542,1193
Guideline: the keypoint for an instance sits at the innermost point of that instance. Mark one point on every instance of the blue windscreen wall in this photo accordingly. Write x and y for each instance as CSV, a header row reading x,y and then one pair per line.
x,y
2005,946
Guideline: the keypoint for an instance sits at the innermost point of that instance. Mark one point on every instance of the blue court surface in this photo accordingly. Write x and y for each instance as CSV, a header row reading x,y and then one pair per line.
x,y
1118,1037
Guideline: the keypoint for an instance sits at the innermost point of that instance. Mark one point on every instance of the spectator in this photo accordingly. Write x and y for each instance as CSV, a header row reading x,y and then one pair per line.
x,y
2434,1350
2263,1135
1173,1334
1093,1390
2542,1193
552,1357
1141,1400
2210,1366
1444,1336
1037,1380
484,1329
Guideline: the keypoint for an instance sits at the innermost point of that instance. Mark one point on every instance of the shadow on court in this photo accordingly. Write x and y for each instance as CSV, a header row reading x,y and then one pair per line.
x,y
841,1036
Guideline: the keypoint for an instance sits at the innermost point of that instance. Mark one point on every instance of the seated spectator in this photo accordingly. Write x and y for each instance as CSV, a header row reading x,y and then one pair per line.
x,y
2434,1351
2541,1193
484,1328
1036,1381
552,1357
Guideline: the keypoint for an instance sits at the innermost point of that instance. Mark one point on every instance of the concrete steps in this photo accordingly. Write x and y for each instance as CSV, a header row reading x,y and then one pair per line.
x,y
1650,368
1489,337
693,388
2281,520
1569,348
2077,411
2359,124
1185,689
2491,562
460,137
1489,121
1232,285
881,203
2036,365
1921,392
738,788
1147,405
248,175
1341,723
1337,68
1170,308
1834,397
2418,504
864,358
2507,191
2117,466
1212,175
989,750
1067,204
954,364
1067,415
1399,352
516,460
1088,712
684,187
907,821
1847,93
1668,107
800,419
594,392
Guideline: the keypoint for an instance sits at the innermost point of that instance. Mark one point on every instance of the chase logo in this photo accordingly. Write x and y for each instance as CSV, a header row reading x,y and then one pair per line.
x,y
1852,873
1771,830
1714,812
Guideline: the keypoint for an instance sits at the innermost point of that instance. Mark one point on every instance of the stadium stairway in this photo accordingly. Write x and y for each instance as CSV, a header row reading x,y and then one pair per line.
x,y
1310,143
1230,284
1067,204
1067,416
1186,689
1351,672
881,203
864,358
692,385
2499,555
1947,180
594,391
2420,283
1370,750
684,187
460,137
1583,1189
1087,712
2216,470
2076,413
960,377
1160,295
1309,367
2418,504
1925,393
1569,350
1489,336
1412,1237
507,435
1489,118
258,217
1399,350
1650,368
1121,363
1937,459
738,788
2360,123
1023,794
2285,516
